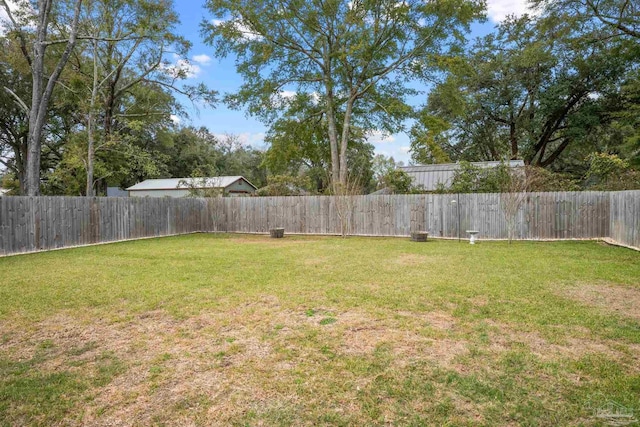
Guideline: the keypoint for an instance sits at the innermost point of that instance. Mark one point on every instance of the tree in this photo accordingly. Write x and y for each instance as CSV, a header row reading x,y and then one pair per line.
x,y
386,174
237,158
382,166
621,16
608,172
34,44
193,152
298,145
400,182
14,130
473,179
284,185
529,91
356,56
515,186
127,43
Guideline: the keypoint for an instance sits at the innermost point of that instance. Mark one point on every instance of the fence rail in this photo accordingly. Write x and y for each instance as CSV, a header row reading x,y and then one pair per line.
x,y
40,223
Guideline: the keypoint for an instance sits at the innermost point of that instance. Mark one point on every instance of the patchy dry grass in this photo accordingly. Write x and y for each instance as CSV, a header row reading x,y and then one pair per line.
x,y
612,299
245,330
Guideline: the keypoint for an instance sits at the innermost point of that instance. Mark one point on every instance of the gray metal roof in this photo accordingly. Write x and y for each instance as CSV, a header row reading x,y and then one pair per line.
x,y
116,192
381,192
429,176
177,183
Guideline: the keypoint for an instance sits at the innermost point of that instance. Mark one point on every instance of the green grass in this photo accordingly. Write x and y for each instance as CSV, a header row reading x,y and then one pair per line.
x,y
246,330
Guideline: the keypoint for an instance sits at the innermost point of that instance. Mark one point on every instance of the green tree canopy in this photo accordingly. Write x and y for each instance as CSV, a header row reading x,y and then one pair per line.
x,y
356,56
529,91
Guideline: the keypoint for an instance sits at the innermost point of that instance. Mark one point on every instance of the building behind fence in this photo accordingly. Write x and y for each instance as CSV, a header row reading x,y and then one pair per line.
x,y
40,223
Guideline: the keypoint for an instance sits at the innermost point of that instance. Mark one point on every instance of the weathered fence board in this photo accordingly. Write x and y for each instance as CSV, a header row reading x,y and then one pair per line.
x,y
30,224
40,223
625,218
579,215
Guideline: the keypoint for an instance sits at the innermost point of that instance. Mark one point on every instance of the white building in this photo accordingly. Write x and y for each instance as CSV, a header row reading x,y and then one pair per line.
x,y
181,187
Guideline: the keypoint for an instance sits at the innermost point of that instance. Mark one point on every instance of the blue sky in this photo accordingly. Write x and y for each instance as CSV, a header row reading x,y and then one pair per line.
x,y
221,76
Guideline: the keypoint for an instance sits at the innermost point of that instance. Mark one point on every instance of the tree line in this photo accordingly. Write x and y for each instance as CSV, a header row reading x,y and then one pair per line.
x,y
89,89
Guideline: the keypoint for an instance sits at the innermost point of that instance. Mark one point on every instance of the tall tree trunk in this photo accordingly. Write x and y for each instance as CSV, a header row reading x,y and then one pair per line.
x,y
344,171
512,137
91,153
333,139
109,106
41,92
36,122
32,173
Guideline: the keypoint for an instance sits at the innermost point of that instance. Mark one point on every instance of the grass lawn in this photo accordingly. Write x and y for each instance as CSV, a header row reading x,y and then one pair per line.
x,y
247,330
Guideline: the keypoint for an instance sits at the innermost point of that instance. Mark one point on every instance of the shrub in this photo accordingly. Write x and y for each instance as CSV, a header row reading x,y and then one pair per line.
x,y
608,172
284,185
399,182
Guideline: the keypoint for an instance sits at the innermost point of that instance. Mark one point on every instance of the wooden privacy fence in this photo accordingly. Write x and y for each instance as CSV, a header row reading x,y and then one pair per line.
x,y
40,223
624,214
576,215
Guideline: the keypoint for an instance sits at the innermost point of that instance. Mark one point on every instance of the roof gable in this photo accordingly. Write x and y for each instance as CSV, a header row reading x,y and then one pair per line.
x,y
185,183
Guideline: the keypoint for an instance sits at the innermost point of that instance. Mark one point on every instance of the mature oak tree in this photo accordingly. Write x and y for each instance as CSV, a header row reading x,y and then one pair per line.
x,y
528,91
128,42
34,36
356,55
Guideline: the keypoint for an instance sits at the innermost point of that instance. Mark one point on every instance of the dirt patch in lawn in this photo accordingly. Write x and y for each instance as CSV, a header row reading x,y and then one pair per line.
x,y
438,320
614,299
575,345
217,365
363,335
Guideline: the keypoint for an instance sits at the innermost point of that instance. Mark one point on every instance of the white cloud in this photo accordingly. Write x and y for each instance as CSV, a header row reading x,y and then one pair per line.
x,y
190,70
399,154
283,98
182,67
255,140
377,137
202,59
498,10
175,119
289,94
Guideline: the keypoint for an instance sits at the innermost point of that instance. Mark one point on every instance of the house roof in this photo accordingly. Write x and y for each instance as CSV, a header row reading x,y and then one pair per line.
x,y
381,192
429,176
183,183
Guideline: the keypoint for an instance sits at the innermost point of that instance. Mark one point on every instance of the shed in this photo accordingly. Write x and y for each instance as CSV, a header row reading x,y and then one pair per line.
x,y
429,176
180,187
